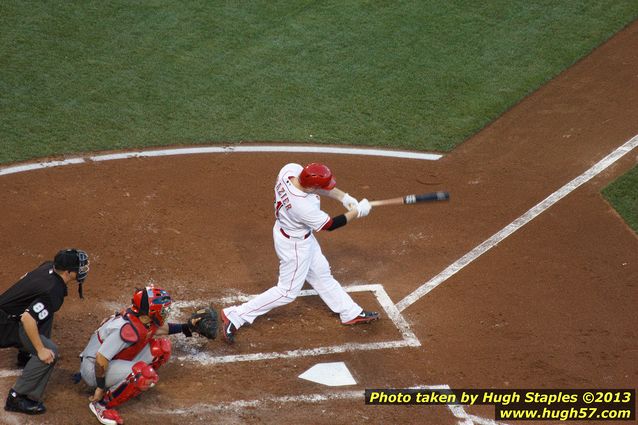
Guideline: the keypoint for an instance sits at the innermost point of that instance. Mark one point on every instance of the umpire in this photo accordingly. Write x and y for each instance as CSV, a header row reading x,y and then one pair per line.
x,y
26,320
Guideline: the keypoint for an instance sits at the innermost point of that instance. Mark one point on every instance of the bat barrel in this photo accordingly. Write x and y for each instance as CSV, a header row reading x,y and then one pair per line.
x,y
442,196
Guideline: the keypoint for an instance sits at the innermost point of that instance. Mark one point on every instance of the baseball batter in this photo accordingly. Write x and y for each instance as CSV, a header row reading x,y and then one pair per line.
x,y
297,216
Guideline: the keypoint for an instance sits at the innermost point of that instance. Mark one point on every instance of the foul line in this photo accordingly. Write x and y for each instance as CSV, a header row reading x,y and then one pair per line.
x,y
409,339
239,405
517,224
221,149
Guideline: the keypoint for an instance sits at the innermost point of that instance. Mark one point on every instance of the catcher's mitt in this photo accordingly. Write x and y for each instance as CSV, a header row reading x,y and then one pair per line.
x,y
204,322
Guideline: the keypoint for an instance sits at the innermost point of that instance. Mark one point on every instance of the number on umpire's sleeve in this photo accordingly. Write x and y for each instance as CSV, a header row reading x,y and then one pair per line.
x,y
40,310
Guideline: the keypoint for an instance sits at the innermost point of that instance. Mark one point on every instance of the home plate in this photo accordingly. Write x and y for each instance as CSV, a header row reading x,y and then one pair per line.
x,y
331,374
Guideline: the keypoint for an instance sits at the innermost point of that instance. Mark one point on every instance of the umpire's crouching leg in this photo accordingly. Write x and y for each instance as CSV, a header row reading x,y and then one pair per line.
x,y
36,373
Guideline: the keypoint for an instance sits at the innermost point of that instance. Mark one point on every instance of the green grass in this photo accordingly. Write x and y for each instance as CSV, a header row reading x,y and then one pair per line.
x,y
623,195
86,75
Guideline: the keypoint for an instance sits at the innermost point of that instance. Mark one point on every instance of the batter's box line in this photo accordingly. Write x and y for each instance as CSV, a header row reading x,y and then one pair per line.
x,y
409,339
10,373
240,405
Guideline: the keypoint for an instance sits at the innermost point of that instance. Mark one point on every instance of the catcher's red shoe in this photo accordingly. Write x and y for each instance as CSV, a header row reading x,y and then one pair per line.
x,y
228,329
104,415
363,317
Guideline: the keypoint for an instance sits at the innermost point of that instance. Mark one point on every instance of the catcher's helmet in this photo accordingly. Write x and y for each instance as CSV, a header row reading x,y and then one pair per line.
x,y
317,176
73,260
152,302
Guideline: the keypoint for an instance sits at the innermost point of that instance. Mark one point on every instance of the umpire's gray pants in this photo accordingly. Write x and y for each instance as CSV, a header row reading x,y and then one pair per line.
x,y
36,373
117,370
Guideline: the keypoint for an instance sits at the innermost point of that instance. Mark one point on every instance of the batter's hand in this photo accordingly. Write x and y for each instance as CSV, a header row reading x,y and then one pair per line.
x,y
363,208
349,202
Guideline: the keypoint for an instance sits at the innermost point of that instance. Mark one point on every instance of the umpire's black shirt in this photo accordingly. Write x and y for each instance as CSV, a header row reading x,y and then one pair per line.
x,y
41,292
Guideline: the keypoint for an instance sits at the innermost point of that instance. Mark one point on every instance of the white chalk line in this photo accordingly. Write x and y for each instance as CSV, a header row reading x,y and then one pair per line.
x,y
270,149
409,339
517,224
221,149
239,405
39,165
8,373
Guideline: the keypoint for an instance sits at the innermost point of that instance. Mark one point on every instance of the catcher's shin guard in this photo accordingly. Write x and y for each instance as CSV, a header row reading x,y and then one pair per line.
x,y
142,377
161,351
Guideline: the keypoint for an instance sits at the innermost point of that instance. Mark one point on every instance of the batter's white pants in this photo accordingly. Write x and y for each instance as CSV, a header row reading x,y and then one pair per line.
x,y
299,260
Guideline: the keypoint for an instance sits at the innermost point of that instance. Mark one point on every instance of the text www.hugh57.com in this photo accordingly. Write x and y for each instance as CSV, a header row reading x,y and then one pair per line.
x,y
563,414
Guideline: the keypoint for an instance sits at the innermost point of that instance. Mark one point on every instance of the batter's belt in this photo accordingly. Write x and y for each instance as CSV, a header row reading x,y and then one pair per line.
x,y
306,236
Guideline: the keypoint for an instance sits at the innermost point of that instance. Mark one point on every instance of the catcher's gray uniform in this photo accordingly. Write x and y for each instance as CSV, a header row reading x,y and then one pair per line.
x,y
111,345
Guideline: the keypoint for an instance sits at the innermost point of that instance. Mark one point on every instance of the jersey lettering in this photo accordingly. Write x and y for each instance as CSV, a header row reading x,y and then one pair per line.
x,y
278,206
43,314
281,191
38,307
284,200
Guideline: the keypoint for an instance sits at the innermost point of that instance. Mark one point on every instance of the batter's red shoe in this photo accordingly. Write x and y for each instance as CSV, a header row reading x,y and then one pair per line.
x,y
363,317
104,415
228,329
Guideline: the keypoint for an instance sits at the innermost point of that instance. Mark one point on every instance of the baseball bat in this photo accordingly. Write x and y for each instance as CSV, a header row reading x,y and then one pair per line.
x,y
412,199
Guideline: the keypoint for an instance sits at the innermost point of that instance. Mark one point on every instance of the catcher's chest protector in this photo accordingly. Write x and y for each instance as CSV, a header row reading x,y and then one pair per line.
x,y
134,332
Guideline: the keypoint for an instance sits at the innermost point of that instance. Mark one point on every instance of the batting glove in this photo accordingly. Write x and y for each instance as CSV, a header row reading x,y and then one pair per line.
x,y
349,202
363,209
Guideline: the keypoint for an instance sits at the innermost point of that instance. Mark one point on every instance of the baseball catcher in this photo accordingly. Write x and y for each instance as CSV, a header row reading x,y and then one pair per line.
x,y
123,355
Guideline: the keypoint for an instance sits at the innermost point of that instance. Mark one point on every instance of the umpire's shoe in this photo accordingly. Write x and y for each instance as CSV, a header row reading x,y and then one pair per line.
x,y
228,329
21,404
363,317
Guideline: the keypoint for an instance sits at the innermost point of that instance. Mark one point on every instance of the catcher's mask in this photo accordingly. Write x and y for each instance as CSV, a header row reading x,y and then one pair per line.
x,y
317,176
73,260
152,302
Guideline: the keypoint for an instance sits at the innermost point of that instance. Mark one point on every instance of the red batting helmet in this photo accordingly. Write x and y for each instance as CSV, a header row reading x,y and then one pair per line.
x,y
152,302
317,176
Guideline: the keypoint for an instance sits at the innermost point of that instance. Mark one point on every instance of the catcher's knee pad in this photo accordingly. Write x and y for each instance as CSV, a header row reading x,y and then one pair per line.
x,y
161,351
141,378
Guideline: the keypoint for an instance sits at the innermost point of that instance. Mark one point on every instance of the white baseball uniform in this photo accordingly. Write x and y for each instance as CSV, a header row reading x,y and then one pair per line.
x,y
298,215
